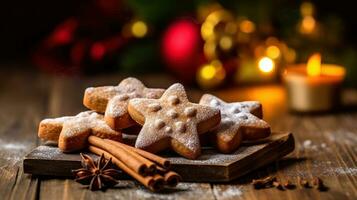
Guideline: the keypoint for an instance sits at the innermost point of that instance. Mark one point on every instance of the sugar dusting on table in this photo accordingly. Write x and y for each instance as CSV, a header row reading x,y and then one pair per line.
x,y
14,150
342,136
12,145
319,166
183,190
228,192
311,150
345,171
325,169
313,146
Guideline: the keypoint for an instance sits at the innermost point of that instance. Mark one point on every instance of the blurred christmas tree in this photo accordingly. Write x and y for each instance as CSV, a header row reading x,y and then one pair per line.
x,y
212,42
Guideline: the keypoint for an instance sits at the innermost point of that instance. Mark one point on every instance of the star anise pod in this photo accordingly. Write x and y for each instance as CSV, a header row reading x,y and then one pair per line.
x,y
97,174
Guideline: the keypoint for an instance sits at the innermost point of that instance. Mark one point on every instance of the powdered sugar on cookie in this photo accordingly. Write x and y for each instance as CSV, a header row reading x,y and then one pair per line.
x,y
113,100
72,131
172,116
237,118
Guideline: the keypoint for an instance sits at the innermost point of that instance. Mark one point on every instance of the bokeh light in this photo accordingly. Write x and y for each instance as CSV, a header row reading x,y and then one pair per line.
x,y
209,49
307,25
209,26
307,9
231,28
97,51
211,75
290,55
139,29
180,43
226,42
273,52
208,72
247,26
266,65
207,30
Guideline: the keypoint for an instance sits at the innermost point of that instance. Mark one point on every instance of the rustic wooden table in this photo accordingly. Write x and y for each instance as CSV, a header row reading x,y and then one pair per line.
x,y
325,144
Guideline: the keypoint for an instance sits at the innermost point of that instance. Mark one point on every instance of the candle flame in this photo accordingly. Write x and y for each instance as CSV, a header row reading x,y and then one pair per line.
x,y
314,65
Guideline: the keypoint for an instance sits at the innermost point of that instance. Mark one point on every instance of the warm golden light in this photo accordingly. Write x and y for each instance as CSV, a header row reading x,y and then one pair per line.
x,y
266,65
205,9
247,26
208,72
259,51
211,75
231,27
307,25
314,65
307,9
272,41
212,20
209,49
139,29
226,42
333,70
290,55
207,30
273,52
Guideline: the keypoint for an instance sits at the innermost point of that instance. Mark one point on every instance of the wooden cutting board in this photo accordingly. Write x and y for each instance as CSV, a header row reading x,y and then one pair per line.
x,y
211,166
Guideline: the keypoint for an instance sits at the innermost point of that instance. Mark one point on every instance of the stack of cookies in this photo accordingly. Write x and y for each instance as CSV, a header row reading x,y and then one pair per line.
x,y
166,120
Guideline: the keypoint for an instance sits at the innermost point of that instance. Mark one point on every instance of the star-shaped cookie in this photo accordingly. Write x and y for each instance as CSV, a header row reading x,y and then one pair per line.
x,y
240,121
72,132
113,100
172,121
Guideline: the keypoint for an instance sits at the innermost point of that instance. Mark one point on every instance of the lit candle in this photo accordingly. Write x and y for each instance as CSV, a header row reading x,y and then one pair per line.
x,y
314,87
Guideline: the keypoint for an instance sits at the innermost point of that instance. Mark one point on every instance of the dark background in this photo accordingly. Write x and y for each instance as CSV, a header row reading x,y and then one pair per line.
x,y
25,23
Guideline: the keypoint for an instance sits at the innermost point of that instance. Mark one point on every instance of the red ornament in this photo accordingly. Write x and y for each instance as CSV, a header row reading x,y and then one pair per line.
x,y
63,34
181,48
97,51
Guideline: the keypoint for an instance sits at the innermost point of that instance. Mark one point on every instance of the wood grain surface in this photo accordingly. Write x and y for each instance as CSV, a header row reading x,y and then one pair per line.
x,y
325,143
211,166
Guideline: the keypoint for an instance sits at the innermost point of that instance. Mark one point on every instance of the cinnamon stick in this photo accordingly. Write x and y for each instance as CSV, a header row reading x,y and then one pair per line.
x,y
157,159
151,167
161,170
147,181
158,183
124,156
172,178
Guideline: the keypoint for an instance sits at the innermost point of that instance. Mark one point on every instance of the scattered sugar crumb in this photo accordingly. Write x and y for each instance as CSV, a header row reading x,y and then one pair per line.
x,y
310,145
307,143
323,145
227,193
46,152
212,157
345,170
